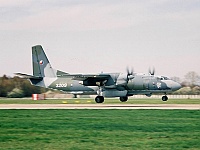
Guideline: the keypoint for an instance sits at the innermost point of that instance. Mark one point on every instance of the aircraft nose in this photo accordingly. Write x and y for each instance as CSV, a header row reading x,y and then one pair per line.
x,y
175,86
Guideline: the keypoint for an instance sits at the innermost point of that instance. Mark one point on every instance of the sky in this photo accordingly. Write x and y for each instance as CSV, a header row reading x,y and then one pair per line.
x,y
93,36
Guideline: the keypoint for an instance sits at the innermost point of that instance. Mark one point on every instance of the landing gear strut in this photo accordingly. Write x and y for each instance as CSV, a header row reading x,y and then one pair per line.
x,y
99,99
165,98
123,99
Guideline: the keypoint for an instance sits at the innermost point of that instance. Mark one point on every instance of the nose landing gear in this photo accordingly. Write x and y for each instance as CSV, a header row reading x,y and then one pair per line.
x,y
165,98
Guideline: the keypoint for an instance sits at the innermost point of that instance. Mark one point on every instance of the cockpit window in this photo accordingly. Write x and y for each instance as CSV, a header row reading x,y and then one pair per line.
x,y
163,78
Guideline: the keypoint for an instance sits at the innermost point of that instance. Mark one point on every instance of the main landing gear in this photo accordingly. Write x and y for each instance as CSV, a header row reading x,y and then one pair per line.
x,y
99,99
165,98
123,99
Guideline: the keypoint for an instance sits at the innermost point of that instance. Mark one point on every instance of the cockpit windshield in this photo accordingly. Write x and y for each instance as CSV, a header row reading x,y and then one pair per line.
x,y
164,78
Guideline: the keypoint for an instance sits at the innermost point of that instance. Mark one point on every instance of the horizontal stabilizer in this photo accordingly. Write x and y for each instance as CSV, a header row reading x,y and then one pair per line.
x,y
27,76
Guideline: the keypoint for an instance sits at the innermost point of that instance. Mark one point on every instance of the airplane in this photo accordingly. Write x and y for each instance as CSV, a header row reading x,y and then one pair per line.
x,y
120,85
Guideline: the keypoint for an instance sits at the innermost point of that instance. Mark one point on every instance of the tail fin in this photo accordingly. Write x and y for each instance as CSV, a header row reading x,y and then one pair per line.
x,y
41,64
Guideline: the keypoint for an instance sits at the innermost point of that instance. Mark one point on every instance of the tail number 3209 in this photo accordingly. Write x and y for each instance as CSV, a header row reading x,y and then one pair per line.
x,y
60,85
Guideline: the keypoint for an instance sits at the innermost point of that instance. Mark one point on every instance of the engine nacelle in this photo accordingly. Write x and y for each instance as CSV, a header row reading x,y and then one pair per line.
x,y
114,93
122,79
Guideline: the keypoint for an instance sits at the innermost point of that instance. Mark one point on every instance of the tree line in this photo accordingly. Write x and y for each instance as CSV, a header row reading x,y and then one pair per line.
x,y
19,87
190,84
16,87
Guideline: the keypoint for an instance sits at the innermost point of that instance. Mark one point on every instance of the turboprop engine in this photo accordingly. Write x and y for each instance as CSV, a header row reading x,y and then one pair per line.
x,y
124,78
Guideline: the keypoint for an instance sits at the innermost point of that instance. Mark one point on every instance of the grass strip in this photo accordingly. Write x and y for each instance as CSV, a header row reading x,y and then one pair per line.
x,y
99,129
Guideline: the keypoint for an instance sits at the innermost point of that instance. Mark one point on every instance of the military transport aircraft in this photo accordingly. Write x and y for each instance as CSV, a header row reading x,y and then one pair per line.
x,y
103,85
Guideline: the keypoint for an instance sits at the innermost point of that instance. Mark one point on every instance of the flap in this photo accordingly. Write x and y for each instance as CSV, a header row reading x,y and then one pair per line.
x,y
82,77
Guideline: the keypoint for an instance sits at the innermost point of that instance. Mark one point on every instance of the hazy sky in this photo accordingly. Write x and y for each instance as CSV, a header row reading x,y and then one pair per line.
x,y
90,36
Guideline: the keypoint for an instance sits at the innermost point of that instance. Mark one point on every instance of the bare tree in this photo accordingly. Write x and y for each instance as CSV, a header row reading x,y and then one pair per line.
x,y
192,78
177,79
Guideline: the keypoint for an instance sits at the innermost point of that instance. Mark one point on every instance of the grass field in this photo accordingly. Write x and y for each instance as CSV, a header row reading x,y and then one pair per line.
x,y
107,101
99,129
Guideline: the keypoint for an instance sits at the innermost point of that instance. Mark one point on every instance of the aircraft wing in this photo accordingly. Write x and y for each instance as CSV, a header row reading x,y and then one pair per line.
x,y
82,77
89,79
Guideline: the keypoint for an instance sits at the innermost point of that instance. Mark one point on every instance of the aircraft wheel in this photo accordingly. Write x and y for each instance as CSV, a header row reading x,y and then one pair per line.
x,y
123,99
99,99
165,98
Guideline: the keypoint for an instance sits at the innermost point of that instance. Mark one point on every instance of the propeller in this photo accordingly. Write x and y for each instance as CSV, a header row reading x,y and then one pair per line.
x,y
151,71
123,79
130,73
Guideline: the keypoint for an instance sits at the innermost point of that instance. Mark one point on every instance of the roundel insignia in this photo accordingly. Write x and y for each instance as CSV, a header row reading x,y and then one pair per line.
x,y
41,62
159,85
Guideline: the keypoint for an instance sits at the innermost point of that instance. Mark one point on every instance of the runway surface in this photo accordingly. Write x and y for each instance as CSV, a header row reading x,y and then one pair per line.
x,y
101,106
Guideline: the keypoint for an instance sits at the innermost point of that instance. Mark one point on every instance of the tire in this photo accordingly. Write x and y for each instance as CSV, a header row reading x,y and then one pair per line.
x,y
123,99
99,99
164,98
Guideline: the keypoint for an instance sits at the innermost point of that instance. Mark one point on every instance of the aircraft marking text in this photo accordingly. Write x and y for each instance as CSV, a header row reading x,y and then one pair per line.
x,y
60,85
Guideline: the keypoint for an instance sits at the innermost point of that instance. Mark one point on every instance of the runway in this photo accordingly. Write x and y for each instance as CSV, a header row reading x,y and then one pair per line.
x,y
101,106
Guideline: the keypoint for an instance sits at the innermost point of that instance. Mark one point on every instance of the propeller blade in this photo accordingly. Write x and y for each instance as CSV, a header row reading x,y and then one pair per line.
x,y
132,71
129,71
152,72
